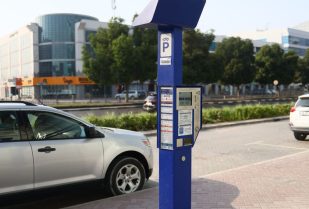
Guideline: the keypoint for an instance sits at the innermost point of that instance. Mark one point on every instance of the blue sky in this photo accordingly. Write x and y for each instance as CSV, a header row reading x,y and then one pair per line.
x,y
224,16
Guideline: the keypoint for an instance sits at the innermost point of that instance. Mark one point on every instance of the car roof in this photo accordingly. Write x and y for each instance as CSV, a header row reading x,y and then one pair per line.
x,y
304,96
22,105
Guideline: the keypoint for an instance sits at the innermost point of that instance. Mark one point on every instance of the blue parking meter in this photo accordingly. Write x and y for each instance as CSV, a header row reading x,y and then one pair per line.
x,y
179,107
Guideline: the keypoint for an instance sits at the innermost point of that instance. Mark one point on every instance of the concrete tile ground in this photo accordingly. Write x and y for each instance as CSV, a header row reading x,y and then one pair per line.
x,y
282,183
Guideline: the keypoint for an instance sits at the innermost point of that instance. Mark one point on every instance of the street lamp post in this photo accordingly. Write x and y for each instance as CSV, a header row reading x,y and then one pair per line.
x,y
276,82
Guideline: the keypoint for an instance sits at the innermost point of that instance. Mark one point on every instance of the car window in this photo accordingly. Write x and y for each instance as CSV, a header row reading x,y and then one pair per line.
x,y
9,129
304,102
49,126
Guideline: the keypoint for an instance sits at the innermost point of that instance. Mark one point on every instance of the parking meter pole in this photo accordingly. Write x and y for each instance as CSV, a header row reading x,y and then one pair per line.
x,y
174,165
179,107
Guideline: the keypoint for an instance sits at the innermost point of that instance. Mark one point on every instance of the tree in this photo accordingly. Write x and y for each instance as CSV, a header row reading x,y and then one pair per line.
x,y
269,62
145,42
302,72
199,65
98,57
125,60
120,55
238,59
273,64
290,66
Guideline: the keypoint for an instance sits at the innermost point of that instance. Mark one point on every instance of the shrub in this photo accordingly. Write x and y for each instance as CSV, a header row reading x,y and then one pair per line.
x,y
135,122
148,121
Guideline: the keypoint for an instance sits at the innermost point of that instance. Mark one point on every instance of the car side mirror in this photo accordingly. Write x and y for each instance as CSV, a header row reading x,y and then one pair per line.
x,y
92,133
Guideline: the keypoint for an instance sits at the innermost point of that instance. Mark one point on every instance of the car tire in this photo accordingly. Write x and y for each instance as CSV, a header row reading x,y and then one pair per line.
x,y
300,136
117,97
127,175
132,98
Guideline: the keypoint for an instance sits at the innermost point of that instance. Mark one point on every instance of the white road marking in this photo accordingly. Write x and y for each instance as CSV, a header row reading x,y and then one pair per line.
x,y
257,142
254,164
281,146
273,145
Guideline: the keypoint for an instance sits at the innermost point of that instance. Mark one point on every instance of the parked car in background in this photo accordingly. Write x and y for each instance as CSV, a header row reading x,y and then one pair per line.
x,y
150,103
42,147
264,92
131,95
299,117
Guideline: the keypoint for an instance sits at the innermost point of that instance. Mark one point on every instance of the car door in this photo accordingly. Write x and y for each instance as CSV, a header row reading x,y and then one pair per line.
x,y
62,151
16,162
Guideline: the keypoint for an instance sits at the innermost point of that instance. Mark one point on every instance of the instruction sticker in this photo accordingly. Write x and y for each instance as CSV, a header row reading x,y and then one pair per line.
x,y
184,130
166,127
185,122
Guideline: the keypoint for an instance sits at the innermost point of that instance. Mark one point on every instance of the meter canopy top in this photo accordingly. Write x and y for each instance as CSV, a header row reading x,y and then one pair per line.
x,y
179,13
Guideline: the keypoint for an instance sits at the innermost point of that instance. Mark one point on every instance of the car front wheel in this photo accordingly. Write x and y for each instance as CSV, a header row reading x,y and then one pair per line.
x,y
126,176
300,136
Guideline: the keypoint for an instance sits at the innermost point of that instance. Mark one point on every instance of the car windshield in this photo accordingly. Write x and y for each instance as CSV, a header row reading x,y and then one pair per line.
x,y
303,102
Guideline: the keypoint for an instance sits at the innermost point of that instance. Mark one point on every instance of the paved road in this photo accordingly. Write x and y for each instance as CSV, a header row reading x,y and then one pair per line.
x,y
216,150
137,108
226,148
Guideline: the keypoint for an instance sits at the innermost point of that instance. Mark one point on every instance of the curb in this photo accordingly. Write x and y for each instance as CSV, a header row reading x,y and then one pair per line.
x,y
229,124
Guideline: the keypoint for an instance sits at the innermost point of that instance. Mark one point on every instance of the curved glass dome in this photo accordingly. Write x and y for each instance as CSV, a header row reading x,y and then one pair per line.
x,y
59,27
57,43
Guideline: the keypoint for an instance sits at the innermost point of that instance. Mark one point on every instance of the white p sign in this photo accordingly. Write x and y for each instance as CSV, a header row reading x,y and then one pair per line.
x,y
166,45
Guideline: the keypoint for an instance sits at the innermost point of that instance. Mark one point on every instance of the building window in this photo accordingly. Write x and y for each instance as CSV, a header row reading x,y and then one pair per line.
x,y
213,47
285,39
88,34
57,51
57,68
298,51
59,27
298,41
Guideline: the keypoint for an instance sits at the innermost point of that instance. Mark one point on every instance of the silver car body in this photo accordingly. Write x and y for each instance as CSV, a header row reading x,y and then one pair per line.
x,y
75,160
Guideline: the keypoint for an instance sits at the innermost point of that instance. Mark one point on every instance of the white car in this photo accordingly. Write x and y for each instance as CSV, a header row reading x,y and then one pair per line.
x,y
299,117
131,95
44,147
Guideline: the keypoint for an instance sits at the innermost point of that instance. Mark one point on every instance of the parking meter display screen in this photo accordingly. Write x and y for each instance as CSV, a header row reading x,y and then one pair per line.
x,y
185,98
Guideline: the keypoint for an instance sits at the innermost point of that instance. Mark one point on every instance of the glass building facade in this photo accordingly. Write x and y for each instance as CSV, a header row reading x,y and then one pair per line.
x,y
57,44
296,44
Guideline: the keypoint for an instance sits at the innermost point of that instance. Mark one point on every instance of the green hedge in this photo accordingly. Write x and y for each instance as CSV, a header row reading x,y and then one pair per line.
x,y
216,115
147,121
131,121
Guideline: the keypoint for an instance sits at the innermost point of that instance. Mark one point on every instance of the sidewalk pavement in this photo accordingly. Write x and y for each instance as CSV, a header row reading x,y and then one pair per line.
x,y
280,183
